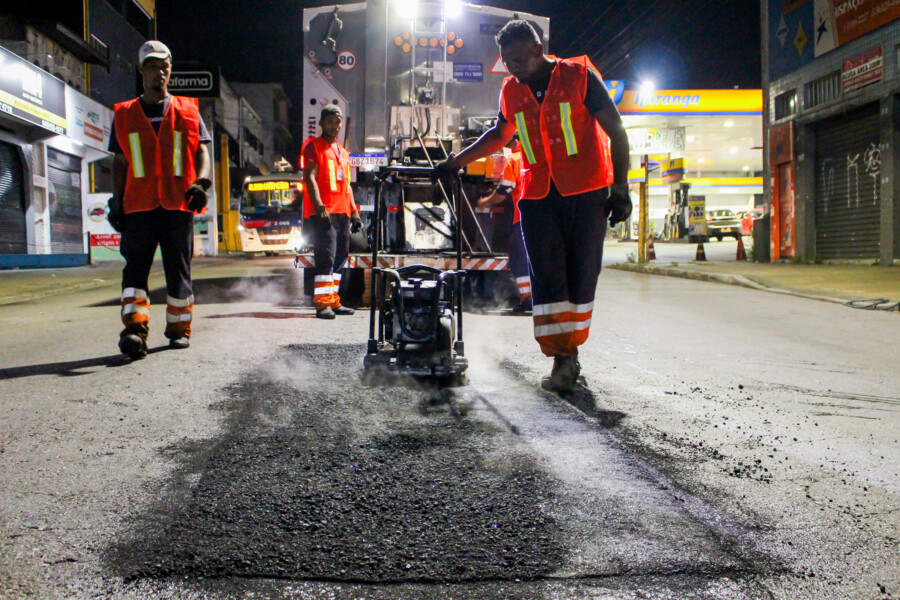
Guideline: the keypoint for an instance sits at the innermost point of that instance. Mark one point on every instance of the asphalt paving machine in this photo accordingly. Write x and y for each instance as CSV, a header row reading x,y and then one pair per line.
x,y
415,311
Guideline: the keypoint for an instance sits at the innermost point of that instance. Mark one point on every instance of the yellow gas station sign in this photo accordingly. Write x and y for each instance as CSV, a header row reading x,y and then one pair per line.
x,y
692,102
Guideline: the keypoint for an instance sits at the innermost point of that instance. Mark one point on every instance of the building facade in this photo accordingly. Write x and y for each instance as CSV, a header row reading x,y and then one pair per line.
x,y
60,72
831,87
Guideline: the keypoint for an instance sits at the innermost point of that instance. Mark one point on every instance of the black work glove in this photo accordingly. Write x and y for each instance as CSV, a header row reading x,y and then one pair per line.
x,y
619,204
355,222
445,170
196,194
115,213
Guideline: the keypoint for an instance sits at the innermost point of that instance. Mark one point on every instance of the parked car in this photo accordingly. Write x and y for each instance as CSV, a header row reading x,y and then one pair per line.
x,y
721,223
748,218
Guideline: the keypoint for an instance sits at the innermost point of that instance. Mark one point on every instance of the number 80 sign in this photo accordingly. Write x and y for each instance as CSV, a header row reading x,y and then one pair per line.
x,y
346,60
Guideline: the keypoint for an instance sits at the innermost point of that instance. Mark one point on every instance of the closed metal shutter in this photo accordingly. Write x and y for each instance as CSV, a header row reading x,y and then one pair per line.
x,y
66,226
13,238
848,176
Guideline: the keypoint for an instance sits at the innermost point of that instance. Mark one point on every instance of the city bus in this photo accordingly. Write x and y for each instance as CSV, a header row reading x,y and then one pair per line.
x,y
272,213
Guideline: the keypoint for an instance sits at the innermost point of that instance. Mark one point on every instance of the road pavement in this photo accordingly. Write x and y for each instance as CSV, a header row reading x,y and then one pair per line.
x,y
726,443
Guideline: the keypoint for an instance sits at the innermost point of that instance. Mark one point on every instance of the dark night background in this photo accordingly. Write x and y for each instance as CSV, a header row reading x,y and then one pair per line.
x,y
702,44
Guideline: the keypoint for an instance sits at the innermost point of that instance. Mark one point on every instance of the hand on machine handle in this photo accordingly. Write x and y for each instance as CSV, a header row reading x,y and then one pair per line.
x,y
196,194
445,170
115,213
356,223
619,204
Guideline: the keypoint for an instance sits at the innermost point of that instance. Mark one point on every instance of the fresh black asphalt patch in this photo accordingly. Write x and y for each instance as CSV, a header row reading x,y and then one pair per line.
x,y
317,477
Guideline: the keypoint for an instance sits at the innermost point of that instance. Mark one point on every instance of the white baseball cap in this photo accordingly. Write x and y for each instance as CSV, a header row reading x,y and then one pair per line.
x,y
153,49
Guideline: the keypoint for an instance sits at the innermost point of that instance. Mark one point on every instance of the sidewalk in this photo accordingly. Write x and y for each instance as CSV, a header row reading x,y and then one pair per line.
x,y
830,282
861,284
23,285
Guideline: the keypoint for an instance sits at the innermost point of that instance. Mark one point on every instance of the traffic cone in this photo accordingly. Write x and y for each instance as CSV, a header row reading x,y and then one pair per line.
x,y
651,253
701,253
741,253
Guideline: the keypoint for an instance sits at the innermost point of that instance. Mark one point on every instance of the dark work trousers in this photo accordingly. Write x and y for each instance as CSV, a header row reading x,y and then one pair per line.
x,y
564,240
173,232
331,243
518,260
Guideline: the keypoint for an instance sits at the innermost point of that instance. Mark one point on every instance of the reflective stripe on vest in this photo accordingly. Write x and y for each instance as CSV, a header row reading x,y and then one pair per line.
x,y
137,159
523,137
332,177
565,113
177,166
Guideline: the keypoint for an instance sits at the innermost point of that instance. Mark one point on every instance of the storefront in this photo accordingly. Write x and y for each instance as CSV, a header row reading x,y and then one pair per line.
x,y
833,108
51,142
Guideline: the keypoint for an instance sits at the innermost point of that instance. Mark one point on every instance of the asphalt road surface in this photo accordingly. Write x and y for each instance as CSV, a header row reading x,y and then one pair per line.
x,y
725,444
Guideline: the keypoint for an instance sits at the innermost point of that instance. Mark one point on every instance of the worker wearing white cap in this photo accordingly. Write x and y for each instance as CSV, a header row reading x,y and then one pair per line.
x,y
160,179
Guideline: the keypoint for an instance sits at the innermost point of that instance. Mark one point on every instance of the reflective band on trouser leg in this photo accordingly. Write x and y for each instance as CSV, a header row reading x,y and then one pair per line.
x,y
136,312
524,286
523,137
335,297
324,290
332,175
137,159
179,314
176,160
561,327
565,115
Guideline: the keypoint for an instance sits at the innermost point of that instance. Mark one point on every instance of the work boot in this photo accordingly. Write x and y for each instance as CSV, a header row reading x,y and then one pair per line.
x,y
180,343
325,313
132,346
563,376
342,310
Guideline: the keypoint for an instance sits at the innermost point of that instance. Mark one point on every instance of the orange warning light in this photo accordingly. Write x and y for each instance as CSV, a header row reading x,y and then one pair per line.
x,y
398,41
406,35
451,50
433,42
451,36
423,42
459,43
407,48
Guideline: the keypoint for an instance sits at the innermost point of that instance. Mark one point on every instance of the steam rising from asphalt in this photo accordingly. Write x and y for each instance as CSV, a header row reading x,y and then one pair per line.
x,y
272,290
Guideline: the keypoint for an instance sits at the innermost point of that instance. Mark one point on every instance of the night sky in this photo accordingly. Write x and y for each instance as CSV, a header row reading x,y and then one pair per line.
x,y
697,44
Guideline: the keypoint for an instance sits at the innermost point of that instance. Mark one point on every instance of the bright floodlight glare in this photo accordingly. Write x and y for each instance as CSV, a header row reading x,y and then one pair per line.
x,y
452,9
733,150
701,160
407,8
690,138
647,87
729,123
746,168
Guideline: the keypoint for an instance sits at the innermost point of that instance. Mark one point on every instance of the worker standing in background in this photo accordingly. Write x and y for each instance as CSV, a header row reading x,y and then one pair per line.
x,y
576,156
160,179
329,207
511,187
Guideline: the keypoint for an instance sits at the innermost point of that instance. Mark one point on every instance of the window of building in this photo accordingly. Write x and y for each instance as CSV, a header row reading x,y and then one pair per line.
x,y
785,104
822,90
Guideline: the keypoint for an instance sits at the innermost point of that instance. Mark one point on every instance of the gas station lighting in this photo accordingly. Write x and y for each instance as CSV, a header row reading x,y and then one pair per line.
x,y
746,167
733,150
452,9
647,87
729,123
690,138
407,8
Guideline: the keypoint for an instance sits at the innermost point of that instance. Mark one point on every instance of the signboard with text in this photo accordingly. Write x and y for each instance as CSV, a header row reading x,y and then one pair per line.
x,y
197,84
862,70
31,94
88,122
697,215
656,141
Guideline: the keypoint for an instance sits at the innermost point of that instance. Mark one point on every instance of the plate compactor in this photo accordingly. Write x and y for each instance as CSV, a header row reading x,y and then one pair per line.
x,y
417,329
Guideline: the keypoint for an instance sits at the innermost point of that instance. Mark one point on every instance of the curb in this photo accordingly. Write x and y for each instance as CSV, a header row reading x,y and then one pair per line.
x,y
726,278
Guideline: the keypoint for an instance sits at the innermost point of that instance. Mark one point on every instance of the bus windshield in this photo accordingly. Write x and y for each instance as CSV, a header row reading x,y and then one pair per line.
x,y
267,197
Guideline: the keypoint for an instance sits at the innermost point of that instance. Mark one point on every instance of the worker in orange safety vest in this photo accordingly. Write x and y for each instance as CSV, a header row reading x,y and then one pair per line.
x,y
576,158
160,180
330,210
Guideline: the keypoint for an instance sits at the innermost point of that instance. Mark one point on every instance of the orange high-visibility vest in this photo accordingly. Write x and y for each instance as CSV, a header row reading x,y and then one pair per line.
x,y
512,175
160,165
332,177
560,138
